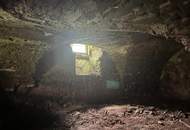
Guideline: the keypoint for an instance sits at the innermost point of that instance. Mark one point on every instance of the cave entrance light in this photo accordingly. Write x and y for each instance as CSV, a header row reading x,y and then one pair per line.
x,y
79,48
87,59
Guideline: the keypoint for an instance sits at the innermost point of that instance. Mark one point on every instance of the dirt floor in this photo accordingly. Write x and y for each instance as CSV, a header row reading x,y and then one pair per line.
x,y
45,108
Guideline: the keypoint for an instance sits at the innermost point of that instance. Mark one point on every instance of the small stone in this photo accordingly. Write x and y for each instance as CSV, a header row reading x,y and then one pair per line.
x,y
152,113
160,122
151,108
139,111
77,114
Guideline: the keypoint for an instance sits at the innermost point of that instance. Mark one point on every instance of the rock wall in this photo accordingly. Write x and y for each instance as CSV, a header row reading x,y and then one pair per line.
x,y
140,64
21,55
176,76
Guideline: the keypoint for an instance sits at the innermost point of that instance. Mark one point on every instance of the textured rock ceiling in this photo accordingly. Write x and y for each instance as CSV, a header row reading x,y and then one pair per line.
x,y
81,19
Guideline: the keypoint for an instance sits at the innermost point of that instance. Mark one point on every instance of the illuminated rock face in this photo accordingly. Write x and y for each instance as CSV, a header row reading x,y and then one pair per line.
x,y
139,36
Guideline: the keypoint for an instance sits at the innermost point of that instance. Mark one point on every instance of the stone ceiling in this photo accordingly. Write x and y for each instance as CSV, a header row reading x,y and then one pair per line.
x,y
97,19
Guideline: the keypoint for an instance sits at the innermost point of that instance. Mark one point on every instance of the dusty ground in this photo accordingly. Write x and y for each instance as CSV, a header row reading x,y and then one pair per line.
x,y
46,109
126,117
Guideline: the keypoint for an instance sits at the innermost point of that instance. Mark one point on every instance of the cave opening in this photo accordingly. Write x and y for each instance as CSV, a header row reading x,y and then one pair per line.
x,y
87,59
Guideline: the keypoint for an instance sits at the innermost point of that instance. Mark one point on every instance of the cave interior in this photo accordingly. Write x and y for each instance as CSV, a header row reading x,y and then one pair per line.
x,y
94,64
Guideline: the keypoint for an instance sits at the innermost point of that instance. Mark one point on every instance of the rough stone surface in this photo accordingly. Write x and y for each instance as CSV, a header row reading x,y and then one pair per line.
x,y
176,76
165,18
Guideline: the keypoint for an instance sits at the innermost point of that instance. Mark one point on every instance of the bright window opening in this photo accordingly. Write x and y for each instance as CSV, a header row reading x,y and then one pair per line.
x,y
79,48
87,59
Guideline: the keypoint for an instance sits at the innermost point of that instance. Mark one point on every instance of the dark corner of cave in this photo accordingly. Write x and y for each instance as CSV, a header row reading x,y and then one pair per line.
x,y
94,64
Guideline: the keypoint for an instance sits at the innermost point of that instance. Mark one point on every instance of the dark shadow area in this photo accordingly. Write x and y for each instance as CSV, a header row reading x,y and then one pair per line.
x,y
24,116
144,67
